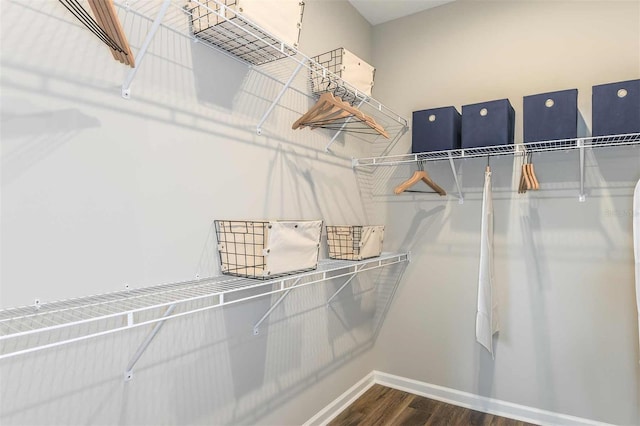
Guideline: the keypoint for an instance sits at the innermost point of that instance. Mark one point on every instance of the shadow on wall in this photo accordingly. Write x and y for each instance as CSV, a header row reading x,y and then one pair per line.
x,y
422,218
537,278
30,134
215,84
174,73
213,367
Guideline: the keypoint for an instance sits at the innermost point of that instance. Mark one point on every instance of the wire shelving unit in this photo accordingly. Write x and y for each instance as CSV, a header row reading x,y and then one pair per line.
x,y
246,41
516,150
41,326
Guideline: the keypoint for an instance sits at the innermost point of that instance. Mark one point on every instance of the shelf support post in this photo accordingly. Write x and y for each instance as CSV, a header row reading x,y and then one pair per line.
x,y
455,177
128,374
333,139
277,99
256,328
582,197
126,86
353,275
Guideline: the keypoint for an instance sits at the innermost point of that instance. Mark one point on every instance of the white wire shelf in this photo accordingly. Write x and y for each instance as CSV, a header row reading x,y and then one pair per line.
x,y
514,149
519,150
246,41
46,325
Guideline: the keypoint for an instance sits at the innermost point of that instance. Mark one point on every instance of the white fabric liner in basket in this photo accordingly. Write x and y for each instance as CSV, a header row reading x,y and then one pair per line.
x,y
292,246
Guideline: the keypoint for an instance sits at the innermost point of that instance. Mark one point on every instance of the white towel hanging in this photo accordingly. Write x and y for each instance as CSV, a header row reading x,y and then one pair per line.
x,y
636,243
487,313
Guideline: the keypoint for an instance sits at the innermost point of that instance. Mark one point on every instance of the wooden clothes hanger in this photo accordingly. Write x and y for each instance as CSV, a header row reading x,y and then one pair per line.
x,y
325,113
329,109
532,174
419,175
528,178
107,18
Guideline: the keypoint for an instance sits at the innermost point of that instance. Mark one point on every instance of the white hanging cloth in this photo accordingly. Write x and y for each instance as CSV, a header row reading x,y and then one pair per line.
x,y
487,314
636,243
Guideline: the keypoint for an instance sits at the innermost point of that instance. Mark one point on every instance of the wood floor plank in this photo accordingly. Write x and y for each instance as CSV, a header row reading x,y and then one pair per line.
x,y
425,404
412,417
388,408
382,406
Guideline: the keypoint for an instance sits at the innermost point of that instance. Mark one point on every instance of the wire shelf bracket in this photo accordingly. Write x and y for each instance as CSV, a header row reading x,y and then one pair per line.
x,y
128,373
580,144
280,94
353,275
126,86
335,136
455,177
256,328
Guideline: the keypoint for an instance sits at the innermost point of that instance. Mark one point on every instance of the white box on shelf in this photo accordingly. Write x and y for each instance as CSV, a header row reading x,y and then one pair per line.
x,y
280,18
355,242
345,65
267,249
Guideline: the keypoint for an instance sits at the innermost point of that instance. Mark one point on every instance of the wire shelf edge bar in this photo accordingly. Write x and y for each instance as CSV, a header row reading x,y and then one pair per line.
x,y
514,149
22,322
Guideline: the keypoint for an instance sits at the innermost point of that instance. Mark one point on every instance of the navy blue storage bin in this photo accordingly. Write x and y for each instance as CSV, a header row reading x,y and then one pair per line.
x,y
551,116
488,123
436,129
616,108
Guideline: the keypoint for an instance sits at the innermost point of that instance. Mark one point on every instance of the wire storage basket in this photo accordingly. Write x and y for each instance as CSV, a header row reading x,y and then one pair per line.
x,y
355,242
256,31
343,64
267,249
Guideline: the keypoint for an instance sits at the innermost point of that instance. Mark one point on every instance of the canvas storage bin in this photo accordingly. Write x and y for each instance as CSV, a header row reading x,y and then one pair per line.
x,y
267,249
551,116
345,65
616,108
436,129
281,19
355,242
488,123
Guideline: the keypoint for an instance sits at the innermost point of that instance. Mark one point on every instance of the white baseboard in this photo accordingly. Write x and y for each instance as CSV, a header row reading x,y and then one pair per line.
x,y
338,405
450,396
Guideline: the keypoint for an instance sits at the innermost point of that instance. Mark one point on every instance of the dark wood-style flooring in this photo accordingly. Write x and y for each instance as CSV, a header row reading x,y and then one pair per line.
x,y
385,406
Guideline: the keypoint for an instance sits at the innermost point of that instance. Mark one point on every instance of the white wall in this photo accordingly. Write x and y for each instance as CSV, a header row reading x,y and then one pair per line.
x,y
98,191
564,270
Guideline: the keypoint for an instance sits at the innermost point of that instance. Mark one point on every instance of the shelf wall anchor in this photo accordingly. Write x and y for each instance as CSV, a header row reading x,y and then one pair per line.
x,y
256,328
126,86
277,99
128,374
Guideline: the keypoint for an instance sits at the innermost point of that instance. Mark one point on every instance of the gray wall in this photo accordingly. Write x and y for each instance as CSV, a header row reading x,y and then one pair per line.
x,y
564,270
98,191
